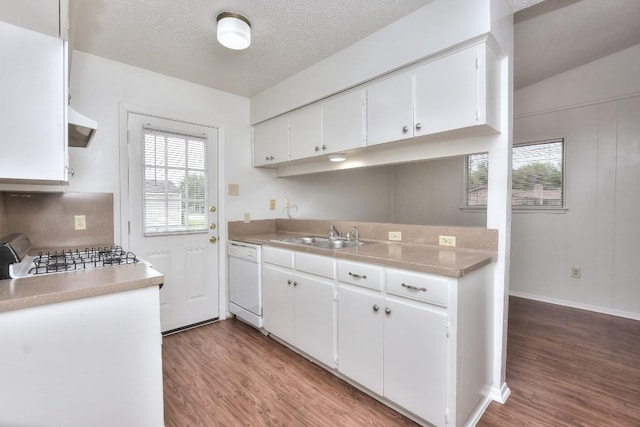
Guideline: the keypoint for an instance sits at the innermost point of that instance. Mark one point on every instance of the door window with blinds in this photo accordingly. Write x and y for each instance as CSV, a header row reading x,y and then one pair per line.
x,y
175,182
537,176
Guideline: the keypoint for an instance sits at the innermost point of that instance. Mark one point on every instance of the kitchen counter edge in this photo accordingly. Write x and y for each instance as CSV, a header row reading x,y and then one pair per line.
x,y
40,290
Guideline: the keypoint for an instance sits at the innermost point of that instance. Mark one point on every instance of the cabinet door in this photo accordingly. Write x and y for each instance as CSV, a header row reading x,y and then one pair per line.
x,y
390,109
446,93
32,101
277,302
271,142
305,133
360,316
313,318
343,122
415,358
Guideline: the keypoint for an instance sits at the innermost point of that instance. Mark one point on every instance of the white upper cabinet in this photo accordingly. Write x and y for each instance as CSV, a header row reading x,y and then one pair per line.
x,y
33,105
305,133
271,142
390,109
450,93
44,16
343,122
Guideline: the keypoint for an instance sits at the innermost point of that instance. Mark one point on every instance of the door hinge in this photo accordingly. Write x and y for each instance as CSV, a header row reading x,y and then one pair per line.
x,y
336,362
477,115
128,136
448,331
129,227
446,416
477,64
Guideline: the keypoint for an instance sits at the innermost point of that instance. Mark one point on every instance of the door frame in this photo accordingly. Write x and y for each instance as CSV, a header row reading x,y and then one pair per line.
x,y
122,203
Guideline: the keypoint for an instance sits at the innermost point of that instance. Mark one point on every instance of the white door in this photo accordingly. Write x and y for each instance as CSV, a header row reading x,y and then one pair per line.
x,y
173,213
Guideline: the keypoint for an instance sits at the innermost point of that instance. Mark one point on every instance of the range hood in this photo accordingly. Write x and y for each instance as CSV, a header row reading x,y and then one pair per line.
x,y
81,128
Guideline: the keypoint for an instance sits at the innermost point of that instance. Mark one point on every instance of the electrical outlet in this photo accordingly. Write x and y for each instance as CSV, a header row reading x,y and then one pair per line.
x,y
447,241
80,222
272,204
576,272
247,217
395,235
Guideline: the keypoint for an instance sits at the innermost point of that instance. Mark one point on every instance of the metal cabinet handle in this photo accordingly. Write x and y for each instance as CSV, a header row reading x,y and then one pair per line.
x,y
376,307
213,239
357,276
317,148
413,288
295,283
387,310
324,146
289,282
418,126
405,129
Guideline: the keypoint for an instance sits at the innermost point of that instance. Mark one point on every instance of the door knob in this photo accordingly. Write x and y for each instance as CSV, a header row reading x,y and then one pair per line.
x,y
212,208
375,307
418,126
387,310
212,226
405,129
213,239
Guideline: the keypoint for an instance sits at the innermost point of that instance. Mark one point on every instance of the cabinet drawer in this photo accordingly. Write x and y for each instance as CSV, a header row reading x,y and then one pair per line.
x,y
276,256
365,275
423,287
314,264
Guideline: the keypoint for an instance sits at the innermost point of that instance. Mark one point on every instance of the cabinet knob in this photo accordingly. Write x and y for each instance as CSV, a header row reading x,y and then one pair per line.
x,y
405,129
376,307
418,126
213,239
266,158
289,282
324,146
317,148
270,157
295,283
387,310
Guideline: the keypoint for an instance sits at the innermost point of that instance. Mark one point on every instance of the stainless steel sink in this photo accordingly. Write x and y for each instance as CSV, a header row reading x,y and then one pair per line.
x,y
322,242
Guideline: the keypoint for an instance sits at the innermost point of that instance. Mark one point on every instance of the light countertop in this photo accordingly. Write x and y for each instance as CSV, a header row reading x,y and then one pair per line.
x,y
446,261
51,288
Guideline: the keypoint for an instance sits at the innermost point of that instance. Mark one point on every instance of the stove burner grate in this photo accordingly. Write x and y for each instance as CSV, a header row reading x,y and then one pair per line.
x,y
76,259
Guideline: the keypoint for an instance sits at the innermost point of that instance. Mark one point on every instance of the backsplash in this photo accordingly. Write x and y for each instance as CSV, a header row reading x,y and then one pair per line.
x,y
48,220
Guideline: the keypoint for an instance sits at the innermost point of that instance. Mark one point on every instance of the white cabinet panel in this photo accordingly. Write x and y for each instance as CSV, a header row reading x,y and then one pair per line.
x,y
343,122
360,274
390,109
271,142
277,303
32,123
313,318
305,133
314,264
415,359
424,287
360,316
447,93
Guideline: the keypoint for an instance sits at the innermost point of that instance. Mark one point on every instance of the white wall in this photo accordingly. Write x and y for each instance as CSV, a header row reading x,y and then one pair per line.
x,y
99,85
596,108
432,193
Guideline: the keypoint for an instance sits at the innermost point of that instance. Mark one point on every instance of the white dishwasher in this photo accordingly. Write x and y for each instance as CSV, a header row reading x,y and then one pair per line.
x,y
245,282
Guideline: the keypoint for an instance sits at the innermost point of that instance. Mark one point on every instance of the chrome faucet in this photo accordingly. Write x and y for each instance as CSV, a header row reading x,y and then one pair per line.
x,y
355,233
334,233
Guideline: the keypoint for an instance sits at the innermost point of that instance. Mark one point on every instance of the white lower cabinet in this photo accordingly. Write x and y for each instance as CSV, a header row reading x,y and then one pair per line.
x,y
360,347
415,358
299,309
419,341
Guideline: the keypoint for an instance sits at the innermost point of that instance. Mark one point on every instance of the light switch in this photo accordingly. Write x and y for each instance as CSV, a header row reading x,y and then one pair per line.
x,y
80,222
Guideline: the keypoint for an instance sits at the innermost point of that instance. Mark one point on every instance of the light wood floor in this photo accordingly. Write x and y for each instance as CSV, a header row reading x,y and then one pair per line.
x,y
565,367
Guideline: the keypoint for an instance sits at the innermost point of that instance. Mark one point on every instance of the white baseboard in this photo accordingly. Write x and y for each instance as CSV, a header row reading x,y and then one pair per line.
x,y
501,394
588,307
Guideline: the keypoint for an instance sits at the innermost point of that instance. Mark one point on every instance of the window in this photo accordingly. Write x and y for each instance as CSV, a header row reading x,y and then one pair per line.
x,y
175,182
537,177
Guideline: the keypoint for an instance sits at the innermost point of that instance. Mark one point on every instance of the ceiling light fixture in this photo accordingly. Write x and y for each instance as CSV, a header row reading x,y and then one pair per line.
x,y
338,157
234,31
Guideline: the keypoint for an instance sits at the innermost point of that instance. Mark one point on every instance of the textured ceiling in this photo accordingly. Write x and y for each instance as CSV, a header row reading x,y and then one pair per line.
x,y
177,37
558,35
